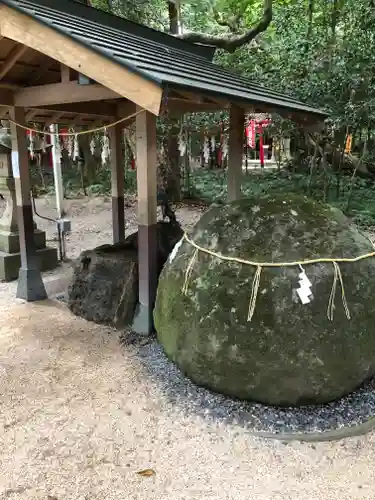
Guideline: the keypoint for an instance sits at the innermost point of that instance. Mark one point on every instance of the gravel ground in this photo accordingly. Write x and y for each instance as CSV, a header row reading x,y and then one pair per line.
x,y
354,409
80,415
91,226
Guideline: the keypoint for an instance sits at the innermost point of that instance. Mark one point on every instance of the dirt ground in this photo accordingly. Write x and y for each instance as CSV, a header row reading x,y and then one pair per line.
x,y
91,226
81,415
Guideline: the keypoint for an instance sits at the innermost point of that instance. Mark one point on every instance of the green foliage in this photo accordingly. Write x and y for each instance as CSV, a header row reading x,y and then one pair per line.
x,y
319,51
210,186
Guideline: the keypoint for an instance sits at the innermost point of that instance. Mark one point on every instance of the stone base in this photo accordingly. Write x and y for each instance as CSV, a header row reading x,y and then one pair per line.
x,y
10,263
143,322
10,242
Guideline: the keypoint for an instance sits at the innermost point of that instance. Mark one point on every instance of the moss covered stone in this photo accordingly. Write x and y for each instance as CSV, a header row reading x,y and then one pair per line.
x,y
289,354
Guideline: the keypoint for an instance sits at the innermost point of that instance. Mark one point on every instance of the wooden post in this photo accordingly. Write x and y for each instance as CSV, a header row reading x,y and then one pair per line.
x,y
235,154
117,178
147,229
57,174
30,284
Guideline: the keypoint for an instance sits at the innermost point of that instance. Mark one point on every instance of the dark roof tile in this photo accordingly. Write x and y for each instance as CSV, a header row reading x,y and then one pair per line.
x,y
152,54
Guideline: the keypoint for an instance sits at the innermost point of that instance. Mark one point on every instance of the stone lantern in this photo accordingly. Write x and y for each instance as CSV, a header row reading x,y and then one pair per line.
x,y
10,261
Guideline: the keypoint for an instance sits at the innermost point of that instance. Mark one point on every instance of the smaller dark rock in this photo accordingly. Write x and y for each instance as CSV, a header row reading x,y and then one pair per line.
x,y
104,287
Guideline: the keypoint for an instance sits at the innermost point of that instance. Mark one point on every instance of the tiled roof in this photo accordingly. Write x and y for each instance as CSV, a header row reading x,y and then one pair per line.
x,y
154,55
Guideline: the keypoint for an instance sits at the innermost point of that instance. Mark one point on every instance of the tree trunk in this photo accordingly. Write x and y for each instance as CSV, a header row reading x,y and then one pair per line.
x,y
310,25
170,165
173,14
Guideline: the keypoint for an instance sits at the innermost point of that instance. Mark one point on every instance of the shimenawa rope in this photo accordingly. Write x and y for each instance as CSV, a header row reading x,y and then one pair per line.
x,y
75,134
337,277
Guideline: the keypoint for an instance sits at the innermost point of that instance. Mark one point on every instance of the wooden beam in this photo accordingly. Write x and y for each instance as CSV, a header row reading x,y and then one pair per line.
x,y
6,98
235,154
35,68
61,93
63,120
62,48
30,284
81,108
30,115
179,107
9,86
11,60
54,119
65,74
117,180
82,113
147,228
42,70
3,112
124,109
190,96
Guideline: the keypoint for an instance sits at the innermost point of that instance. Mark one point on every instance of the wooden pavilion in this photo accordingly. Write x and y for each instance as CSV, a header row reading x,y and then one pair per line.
x,y
64,62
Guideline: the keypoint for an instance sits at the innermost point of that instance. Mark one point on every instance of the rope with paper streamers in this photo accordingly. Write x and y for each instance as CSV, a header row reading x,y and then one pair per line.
x,y
102,128
337,276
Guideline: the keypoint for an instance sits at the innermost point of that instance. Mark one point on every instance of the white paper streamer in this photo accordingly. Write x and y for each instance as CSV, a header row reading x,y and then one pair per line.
x,y
71,146
32,154
57,147
105,150
43,145
225,147
92,146
206,150
182,143
76,148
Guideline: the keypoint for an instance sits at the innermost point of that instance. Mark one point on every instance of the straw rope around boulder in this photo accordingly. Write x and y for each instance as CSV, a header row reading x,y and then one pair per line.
x,y
337,276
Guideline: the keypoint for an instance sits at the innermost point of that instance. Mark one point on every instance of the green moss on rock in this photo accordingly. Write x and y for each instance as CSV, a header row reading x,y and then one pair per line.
x,y
289,354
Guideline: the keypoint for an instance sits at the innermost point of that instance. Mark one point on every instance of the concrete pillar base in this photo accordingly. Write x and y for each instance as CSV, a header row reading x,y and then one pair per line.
x,y
30,285
143,322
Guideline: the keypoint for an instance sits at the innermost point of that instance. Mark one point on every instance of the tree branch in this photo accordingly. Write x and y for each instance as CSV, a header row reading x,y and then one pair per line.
x,y
231,43
231,22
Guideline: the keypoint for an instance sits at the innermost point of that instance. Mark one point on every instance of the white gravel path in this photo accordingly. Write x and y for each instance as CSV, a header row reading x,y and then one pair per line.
x,y
80,415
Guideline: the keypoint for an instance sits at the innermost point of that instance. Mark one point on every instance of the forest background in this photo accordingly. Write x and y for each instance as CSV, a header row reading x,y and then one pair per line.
x,y
320,51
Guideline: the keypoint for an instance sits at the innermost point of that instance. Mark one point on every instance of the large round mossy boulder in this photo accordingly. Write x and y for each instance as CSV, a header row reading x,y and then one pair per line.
x,y
290,353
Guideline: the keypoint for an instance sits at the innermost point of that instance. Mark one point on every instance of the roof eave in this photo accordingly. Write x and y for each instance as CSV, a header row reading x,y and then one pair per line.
x,y
129,67
282,109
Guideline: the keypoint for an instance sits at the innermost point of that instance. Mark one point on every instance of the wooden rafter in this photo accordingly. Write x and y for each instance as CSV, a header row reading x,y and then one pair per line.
x,y
65,74
40,72
3,112
82,108
189,96
28,31
216,100
178,106
6,97
54,119
11,60
80,113
34,69
9,86
30,114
